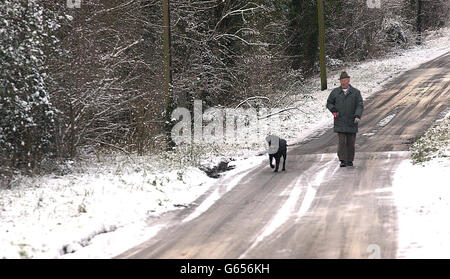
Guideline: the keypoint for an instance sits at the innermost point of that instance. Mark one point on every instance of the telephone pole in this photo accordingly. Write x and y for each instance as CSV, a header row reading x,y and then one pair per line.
x,y
419,22
168,72
323,69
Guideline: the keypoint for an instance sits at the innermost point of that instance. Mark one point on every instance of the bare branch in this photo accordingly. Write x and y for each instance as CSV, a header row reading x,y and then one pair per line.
x,y
251,98
280,111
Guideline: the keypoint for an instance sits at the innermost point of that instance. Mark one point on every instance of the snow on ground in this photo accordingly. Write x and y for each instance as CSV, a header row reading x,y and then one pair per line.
x,y
95,213
48,216
422,198
101,208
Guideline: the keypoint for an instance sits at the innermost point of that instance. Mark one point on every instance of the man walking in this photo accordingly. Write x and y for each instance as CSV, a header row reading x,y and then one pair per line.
x,y
346,104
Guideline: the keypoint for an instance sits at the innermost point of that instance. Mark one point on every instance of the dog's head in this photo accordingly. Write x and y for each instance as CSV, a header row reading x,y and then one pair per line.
x,y
274,143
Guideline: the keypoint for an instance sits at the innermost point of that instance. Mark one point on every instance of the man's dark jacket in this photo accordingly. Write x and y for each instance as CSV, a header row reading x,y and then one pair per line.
x,y
348,107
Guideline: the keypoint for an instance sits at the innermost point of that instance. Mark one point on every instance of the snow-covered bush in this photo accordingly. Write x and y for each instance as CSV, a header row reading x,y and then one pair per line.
x,y
395,31
26,112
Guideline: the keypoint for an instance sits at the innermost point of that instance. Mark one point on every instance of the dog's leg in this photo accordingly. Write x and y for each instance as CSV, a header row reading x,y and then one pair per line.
x,y
284,161
270,161
277,163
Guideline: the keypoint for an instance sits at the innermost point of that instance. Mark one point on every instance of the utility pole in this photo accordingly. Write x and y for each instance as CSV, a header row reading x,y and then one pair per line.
x,y
168,73
323,69
419,22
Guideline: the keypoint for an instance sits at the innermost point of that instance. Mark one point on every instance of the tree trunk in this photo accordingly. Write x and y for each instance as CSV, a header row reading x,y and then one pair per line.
x,y
168,73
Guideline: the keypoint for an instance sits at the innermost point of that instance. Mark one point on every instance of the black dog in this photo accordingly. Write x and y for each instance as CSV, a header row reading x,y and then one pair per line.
x,y
276,151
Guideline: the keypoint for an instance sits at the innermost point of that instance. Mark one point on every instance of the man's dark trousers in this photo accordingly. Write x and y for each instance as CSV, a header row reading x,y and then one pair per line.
x,y
346,146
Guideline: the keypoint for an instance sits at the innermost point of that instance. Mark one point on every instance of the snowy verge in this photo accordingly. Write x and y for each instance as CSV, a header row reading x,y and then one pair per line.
x,y
434,143
95,213
48,216
422,198
422,195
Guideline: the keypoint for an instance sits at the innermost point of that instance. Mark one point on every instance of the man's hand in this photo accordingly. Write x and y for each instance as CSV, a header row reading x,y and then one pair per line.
x,y
357,119
335,115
